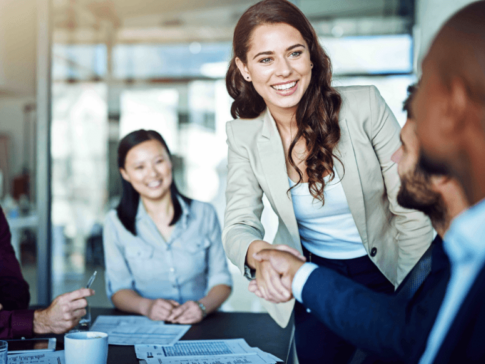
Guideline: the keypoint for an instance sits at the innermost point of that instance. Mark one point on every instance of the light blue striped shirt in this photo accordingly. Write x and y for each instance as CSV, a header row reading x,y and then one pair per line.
x,y
464,244
183,269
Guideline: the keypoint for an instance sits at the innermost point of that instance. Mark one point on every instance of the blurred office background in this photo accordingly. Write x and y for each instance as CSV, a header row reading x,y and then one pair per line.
x,y
77,75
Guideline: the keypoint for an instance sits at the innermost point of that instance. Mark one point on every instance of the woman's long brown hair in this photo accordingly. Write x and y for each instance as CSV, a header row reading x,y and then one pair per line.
x,y
318,110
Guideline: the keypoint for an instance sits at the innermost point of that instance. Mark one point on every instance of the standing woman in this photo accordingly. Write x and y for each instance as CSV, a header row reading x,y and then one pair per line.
x,y
164,255
322,156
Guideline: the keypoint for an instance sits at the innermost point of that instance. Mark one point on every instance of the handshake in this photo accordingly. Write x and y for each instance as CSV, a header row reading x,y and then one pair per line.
x,y
276,266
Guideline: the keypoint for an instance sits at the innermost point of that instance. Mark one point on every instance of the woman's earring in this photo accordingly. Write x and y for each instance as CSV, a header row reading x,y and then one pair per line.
x,y
311,65
247,77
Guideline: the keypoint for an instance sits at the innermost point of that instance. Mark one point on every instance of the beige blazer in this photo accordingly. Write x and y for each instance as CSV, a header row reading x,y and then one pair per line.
x,y
369,137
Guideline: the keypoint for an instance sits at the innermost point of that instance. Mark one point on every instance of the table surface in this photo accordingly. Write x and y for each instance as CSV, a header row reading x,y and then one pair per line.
x,y
258,329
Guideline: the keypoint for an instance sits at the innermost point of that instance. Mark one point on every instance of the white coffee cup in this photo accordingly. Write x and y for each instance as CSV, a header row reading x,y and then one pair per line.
x,y
89,347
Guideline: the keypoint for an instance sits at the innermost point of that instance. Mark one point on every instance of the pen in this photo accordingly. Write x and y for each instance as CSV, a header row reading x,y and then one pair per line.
x,y
91,280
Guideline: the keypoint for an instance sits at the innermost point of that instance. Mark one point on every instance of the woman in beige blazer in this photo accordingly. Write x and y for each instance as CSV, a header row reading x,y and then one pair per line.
x,y
292,127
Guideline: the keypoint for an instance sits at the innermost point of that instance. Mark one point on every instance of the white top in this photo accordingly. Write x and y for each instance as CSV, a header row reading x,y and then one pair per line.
x,y
328,231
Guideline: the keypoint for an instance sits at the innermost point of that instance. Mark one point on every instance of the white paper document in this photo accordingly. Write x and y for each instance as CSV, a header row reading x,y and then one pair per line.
x,y
204,352
108,323
147,334
47,357
132,330
222,359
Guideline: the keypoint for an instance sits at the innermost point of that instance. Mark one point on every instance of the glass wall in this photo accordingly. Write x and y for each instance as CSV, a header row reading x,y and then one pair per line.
x,y
119,71
80,168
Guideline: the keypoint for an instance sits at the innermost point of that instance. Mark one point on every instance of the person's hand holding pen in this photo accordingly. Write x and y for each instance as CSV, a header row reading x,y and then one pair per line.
x,y
268,280
64,312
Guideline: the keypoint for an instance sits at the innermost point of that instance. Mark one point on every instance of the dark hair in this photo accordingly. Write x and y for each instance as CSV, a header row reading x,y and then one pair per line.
x,y
407,103
318,110
128,206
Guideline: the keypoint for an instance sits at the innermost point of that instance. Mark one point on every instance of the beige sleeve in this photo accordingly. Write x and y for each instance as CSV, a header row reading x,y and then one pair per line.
x,y
244,205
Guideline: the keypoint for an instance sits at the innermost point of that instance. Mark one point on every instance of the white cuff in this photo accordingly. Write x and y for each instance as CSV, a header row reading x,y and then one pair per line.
x,y
300,279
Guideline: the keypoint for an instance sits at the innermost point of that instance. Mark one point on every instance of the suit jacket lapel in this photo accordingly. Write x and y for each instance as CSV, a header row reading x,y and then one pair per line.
x,y
273,161
349,175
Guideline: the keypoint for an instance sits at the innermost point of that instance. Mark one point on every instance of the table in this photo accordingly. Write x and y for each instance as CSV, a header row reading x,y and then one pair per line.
x,y
258,329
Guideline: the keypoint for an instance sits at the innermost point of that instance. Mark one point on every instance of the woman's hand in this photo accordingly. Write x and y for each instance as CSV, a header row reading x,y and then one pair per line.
x,y
268,280
188,313
160,309
269,284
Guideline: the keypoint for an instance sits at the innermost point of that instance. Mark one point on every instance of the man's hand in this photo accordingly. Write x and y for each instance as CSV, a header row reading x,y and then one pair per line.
x,y
63,314
268,279
160,309
188,313
285,264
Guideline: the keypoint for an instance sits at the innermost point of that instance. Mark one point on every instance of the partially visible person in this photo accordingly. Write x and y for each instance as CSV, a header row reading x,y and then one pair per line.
x,y
16,320
450,114
163,251
391,327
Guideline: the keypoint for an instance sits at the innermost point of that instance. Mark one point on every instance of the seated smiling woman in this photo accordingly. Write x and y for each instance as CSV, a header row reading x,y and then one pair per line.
x,y
164,256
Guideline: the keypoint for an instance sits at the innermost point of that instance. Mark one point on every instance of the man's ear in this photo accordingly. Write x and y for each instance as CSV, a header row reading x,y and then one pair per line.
x,y
440,184
243,69
124,175
458,105
440,180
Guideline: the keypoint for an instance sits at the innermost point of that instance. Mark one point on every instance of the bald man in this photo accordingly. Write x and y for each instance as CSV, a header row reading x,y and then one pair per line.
x,y
391,327
449,110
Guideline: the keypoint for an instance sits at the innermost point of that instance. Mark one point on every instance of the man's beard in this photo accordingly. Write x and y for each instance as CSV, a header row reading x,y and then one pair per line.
x,y
429,166
416,193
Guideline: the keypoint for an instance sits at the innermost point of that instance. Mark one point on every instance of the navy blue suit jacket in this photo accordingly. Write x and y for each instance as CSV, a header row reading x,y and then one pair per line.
x,y
391,327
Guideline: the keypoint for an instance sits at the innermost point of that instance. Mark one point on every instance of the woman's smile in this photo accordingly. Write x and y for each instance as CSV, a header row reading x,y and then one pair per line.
x,y
155,184
285,88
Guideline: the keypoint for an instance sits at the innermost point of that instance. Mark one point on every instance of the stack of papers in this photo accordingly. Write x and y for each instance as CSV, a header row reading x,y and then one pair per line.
x,y
47,357
235,351
132,330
